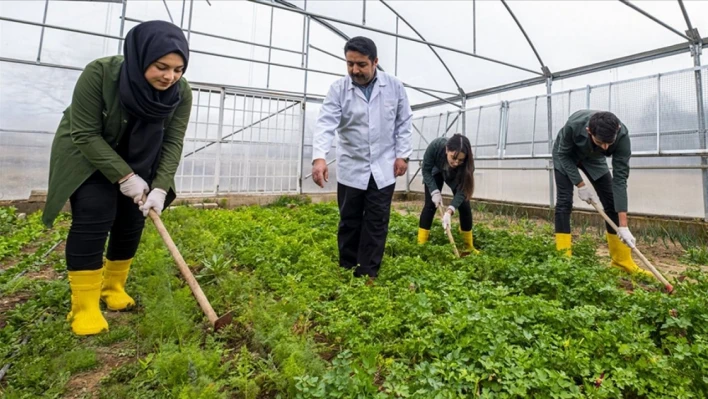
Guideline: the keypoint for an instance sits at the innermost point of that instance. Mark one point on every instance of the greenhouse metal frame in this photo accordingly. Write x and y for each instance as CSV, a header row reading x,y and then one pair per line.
x,y
499,131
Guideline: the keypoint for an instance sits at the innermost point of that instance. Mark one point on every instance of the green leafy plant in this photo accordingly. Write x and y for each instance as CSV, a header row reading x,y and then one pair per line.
x,y
519,320
214,269
696,256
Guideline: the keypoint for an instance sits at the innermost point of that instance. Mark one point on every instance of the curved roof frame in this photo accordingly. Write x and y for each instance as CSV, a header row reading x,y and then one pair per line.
x,y
691,36
694,44
459,89
293,8
344,36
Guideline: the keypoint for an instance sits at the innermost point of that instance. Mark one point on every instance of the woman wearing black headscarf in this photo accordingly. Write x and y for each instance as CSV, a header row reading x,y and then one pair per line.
x,y
119,140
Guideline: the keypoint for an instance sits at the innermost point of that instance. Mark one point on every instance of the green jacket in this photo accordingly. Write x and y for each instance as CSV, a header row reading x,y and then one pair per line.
x,y
92,127
435,162
573,147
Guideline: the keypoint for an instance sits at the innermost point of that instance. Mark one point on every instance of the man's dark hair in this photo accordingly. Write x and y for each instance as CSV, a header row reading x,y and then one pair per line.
x,y
363,45
604,126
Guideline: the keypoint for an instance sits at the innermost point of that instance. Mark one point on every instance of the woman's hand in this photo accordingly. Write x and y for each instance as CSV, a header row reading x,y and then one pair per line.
x,y
134,187
155,201
436,197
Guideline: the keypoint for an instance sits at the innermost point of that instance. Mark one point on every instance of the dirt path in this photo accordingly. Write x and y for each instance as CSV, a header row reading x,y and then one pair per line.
x,y
87,384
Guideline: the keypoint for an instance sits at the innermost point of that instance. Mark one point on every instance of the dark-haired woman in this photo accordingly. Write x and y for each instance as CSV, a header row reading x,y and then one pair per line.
x,y
119,140
448,160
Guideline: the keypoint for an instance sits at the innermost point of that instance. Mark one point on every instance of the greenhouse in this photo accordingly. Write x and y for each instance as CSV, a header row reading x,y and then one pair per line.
x,y
240,287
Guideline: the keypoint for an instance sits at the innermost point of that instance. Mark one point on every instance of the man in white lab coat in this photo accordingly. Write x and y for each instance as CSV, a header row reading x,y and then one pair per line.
x,y
370,111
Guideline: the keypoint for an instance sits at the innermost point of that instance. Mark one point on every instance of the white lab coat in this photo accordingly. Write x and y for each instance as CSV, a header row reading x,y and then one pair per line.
x,y
371,134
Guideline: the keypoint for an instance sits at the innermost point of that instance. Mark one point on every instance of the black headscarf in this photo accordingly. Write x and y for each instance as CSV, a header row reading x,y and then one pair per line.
x,y
147,106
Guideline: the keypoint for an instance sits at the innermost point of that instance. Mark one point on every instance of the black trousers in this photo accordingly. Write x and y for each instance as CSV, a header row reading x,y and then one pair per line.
x,y
97,208
428,213
363,226
564,199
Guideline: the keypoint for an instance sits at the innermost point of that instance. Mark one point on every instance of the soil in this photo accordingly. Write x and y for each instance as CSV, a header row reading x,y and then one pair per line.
x,y
9,302
87,384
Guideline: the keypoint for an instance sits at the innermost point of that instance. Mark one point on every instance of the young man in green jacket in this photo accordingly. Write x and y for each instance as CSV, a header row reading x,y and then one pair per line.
x,y
584,143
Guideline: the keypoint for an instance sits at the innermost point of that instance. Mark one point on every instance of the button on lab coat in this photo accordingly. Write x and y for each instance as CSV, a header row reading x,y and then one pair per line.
x,y
371,134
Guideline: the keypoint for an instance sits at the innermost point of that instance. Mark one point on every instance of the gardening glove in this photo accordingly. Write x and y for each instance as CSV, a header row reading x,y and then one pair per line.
x,y
626,237
437,198
134,187
155,200
446,222
587,195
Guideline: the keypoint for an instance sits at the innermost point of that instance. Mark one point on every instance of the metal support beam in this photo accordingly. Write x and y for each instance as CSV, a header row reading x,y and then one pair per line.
x,y
301,157
685,15
420,89
573,72
122,26
696,53
41,35
181,21
658,114
433,95
42,64
452,76
395,61
270,48
346,37
220,139
363,13
304,22
549,109
189,23
241,129
420,133
387,33
231,39
264,62
323,51
293,96
169,14
85,32
474,26
657,20
528,39
454,120
463,114
312,46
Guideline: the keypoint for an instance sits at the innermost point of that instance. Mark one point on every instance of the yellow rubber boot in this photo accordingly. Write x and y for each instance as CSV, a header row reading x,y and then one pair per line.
x,y
621,256
563,243
423,236
85,316
115,274
468,239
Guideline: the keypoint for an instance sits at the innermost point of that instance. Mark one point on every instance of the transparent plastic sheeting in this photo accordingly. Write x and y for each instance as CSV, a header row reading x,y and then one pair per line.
x,y
511,141
242,140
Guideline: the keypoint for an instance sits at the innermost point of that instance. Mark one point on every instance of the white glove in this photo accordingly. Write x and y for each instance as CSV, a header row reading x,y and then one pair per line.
x,y
437,198
587,195
135,187
626,236
446,222
155,200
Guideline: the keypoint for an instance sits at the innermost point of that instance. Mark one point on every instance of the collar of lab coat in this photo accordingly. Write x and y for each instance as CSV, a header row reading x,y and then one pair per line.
x,y
378,82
